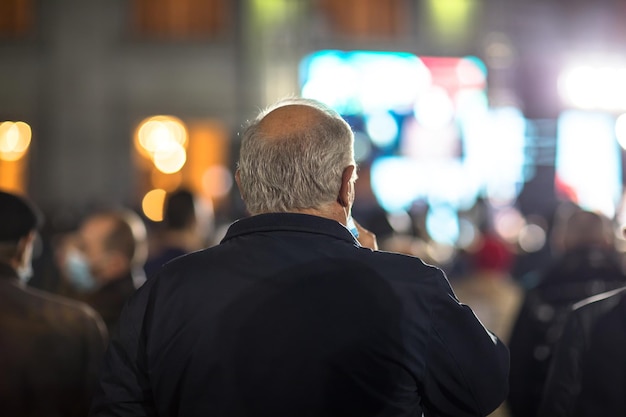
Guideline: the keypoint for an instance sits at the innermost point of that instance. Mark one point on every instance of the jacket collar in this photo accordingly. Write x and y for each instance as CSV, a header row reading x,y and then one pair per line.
x,y
305,223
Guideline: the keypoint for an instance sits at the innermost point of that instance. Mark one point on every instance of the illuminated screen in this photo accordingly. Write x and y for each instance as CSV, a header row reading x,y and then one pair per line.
x,y
423,123
588,160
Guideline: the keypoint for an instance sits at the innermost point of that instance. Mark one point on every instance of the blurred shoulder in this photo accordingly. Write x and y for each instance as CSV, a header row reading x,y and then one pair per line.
x,y
58,310
592,307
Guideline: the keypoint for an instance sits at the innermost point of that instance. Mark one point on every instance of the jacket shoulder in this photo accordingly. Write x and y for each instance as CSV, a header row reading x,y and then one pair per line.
x,y
57,308
591,309
399,266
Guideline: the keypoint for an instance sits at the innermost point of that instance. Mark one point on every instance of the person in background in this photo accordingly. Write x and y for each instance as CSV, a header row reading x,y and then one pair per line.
x,y
103,261
50,347
295,312
187,227
587,376
588,265
488,288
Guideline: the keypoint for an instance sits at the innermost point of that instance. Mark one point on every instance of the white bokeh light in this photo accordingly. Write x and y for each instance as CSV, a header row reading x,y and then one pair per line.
x,y
442,224
620,130
382,128
600,84
169,157
434,109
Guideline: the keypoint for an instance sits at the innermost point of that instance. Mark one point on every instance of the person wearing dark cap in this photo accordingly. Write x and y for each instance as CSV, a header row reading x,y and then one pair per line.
x,y
50,347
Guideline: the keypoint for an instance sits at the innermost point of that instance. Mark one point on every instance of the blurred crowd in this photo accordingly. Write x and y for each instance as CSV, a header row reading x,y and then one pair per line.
x,y
558,313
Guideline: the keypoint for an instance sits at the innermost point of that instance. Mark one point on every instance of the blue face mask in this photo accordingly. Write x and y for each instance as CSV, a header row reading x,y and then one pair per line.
x,y
352,227
25,273
78,272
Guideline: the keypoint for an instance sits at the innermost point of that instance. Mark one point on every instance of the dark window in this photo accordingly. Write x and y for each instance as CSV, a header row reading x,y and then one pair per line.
x,y
16,18
387,18
182,19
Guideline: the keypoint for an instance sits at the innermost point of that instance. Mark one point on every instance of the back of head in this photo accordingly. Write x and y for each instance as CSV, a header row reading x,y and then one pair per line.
x,y
584,229
292,157
18,217
180,210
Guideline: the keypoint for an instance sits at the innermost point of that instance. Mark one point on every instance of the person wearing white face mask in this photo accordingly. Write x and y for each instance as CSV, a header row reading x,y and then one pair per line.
x,y
51,346
103,261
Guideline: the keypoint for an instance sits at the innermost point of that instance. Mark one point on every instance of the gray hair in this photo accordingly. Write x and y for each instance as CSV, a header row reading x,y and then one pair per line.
x,y
290,172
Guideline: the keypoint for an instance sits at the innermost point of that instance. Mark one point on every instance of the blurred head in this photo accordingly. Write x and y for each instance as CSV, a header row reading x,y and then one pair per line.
x,y
19,222
188,220
586,229
180,210
185,214
108,246
293,157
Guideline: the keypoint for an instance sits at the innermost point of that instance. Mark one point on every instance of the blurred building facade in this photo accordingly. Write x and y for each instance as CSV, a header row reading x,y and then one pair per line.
x,y
84,75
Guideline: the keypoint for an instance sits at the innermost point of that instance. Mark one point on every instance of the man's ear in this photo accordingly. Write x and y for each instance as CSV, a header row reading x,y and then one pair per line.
x,y
346,192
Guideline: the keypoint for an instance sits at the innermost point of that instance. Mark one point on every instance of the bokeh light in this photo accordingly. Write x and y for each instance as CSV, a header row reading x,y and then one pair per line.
x,y
389,177
217,181
14,140
452,17
358,81
508,223
163,139
598,188
442,224
440,253
362,147
600,85
400,221
620,130
169,157
532,238
468,232
152,204
155,130
434,109
470,72
382,128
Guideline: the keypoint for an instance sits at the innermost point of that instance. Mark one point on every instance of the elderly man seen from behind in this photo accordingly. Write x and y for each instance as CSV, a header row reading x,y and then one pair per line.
x,y
291,314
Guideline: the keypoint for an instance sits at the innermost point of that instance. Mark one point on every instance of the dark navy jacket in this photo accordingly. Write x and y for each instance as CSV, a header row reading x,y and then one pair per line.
x,y
290,316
